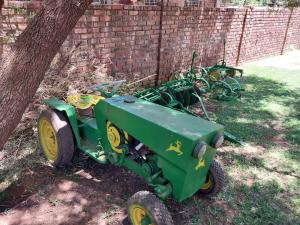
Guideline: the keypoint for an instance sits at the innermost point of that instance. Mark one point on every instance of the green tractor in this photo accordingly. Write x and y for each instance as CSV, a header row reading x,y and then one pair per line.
x,y
172,150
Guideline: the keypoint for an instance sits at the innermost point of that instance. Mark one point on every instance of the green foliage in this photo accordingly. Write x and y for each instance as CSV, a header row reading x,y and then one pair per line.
x,y
293,3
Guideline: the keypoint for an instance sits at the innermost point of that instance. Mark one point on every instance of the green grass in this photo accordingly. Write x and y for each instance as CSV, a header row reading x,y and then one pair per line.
x,y
289,78
268,106
264,180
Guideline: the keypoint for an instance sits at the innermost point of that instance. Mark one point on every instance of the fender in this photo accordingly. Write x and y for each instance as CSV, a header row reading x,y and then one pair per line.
x,y
70,112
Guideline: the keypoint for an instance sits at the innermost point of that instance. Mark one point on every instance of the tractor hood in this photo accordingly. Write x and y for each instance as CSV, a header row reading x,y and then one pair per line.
x,y
170,134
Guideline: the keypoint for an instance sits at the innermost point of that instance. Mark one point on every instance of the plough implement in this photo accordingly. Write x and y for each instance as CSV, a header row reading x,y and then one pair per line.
x,y
180,95
177,94
222,68
219,79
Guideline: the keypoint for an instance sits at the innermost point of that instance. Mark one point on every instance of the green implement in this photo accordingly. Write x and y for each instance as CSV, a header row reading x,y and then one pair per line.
x,y
220,79
180,95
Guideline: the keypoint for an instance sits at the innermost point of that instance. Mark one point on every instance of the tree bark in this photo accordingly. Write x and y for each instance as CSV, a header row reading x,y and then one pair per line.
x,y
23,69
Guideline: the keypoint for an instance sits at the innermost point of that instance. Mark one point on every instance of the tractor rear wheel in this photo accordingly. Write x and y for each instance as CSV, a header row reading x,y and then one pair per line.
x,y
215,181
144,208
56,138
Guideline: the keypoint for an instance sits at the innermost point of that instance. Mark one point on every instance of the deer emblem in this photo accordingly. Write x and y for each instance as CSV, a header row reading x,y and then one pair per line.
x,y
176,148
200,164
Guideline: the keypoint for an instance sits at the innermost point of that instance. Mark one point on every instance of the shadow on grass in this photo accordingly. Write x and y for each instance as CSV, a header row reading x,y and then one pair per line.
x,y
253,161
268,109
260,203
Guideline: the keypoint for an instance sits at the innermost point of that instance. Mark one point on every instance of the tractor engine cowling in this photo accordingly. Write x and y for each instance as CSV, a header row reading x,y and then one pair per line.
x,y
182,145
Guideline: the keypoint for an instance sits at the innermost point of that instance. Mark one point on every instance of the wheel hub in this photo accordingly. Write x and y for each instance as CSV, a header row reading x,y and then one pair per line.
x,y
48,139
139,215
208,184
115,137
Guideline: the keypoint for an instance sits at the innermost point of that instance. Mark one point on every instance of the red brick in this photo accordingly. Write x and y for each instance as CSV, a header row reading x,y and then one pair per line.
x,y
80,30
129,36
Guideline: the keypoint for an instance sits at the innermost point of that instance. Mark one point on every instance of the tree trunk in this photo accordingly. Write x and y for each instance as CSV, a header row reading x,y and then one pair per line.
x,y
23,69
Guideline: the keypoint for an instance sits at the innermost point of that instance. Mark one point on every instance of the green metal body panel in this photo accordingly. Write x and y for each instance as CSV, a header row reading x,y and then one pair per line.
x,y
69,110
160,128
88,130
84,129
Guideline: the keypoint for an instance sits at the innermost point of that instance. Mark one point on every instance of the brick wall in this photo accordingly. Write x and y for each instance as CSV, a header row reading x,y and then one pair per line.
x,y
133,42
265,33
202,30
122,39
293,30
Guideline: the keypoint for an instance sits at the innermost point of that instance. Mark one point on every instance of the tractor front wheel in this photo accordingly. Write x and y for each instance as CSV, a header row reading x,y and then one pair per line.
x,y
56,138
215,181
144,208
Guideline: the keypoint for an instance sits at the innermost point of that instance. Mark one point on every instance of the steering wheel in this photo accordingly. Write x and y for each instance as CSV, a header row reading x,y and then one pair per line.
x,y
108,89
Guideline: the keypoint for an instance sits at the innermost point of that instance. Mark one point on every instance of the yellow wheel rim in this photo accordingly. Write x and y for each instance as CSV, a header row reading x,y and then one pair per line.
x,y
214,75
114,137
48,139
208,184
137,214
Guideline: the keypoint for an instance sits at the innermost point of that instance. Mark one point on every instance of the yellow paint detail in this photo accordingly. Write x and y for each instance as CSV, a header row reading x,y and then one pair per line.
x,y
175,148
200,164
214,75
114,137
208,184
83,101
48,139
126,137
137,213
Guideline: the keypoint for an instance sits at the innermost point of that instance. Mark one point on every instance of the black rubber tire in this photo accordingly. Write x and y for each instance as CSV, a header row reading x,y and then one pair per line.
x,y
155,208
64,137
218,180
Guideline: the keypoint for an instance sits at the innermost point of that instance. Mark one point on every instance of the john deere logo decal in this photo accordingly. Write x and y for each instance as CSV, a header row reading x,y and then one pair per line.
x,y
176,148
200,164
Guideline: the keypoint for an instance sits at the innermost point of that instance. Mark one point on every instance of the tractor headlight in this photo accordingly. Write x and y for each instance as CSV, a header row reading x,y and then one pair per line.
x,y
218,140
199,150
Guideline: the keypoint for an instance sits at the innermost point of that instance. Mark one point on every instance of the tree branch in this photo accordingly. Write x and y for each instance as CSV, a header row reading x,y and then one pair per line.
x,y
23,68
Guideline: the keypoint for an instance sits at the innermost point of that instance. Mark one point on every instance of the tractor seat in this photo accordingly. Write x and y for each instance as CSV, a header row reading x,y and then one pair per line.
x,y
83,101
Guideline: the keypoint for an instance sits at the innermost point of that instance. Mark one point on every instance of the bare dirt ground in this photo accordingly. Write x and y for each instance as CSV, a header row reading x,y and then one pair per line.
x,y
34,193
